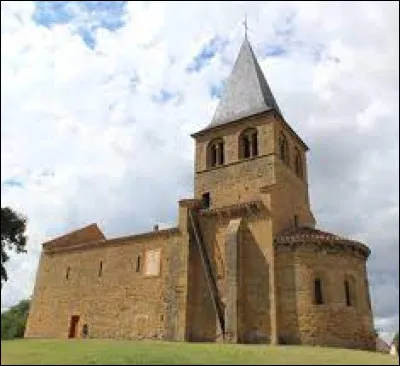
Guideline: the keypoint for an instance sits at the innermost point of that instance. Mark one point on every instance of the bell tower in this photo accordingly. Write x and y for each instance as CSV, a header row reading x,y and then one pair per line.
x,y
249,152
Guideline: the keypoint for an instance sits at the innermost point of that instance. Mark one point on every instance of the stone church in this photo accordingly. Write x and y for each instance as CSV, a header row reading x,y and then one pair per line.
x,y
244,264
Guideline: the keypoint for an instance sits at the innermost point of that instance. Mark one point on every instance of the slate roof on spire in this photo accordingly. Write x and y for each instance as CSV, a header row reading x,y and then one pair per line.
x,y
246,92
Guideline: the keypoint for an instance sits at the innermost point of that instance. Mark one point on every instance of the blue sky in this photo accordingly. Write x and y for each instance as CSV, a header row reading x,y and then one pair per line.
x,y
105,83
208,51
12,182
98,14
110,15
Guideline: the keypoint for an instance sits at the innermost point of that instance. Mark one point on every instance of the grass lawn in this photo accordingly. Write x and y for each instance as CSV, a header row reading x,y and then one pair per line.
x,y
46,352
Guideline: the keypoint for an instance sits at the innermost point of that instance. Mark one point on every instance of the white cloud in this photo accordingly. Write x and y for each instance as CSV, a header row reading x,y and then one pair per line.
x,y
81,130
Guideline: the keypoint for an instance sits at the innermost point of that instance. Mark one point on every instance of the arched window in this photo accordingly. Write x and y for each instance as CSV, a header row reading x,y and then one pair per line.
x,y
101,268
248,143
318,294
283,148
298,166
349,291
215,153
367,296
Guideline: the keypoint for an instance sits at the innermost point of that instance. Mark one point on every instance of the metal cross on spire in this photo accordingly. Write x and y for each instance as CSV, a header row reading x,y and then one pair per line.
x,y
245,26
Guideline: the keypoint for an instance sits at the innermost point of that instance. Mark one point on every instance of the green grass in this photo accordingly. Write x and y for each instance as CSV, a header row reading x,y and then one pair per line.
x,y
95,352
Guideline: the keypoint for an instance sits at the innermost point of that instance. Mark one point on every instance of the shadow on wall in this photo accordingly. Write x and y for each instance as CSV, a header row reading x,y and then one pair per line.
x,y
201,318
254,298
287,313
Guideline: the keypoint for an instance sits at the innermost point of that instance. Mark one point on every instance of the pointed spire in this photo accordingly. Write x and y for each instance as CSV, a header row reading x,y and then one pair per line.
x,y
246,91
245,26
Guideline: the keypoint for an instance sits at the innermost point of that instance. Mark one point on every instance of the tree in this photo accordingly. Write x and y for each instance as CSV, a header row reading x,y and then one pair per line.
x,y
13,321
13,237
396,340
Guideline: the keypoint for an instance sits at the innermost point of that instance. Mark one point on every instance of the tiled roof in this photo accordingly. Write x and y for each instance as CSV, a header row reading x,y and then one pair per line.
x,y
246,94
88,233
105,242
305,234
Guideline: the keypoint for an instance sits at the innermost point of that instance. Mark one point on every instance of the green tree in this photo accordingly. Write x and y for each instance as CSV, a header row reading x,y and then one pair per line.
x,y
13,237
396,340
13,321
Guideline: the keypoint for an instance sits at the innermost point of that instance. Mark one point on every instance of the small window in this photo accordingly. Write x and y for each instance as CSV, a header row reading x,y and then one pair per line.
x,y
67,273
296,221
347,293
206,200
318,298
138,264
100,268
350,290
367,297
298,164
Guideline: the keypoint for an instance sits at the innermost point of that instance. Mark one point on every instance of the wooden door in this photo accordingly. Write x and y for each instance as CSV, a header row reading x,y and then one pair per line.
x,y
73,327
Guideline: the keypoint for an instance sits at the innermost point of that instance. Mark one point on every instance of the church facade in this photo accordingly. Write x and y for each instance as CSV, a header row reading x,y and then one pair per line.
x,y
245,262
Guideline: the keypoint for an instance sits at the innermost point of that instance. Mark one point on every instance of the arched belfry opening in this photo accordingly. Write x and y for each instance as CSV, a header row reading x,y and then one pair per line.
x,y
298,165
283,148
215,153
248,143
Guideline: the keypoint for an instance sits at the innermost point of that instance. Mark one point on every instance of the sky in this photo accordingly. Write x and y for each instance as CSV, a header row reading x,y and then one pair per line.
x,y
99,100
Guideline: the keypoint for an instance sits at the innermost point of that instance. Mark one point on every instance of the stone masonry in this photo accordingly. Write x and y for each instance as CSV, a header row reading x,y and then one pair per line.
x,y
245,263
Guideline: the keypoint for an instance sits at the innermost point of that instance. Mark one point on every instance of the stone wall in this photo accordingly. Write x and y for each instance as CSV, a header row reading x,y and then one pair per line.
x,y
233,238
332,323
254,290
238,180
252,246
121,302
267,292
290,195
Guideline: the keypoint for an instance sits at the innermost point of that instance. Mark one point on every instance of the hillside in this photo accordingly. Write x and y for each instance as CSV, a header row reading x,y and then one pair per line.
x,y
174,353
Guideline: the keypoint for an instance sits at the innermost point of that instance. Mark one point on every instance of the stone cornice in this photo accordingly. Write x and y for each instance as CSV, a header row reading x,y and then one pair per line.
x,y
190,203
236,210
236,162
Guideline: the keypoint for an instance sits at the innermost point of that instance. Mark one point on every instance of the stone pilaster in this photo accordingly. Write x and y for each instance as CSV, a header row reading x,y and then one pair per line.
x,y
232,241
